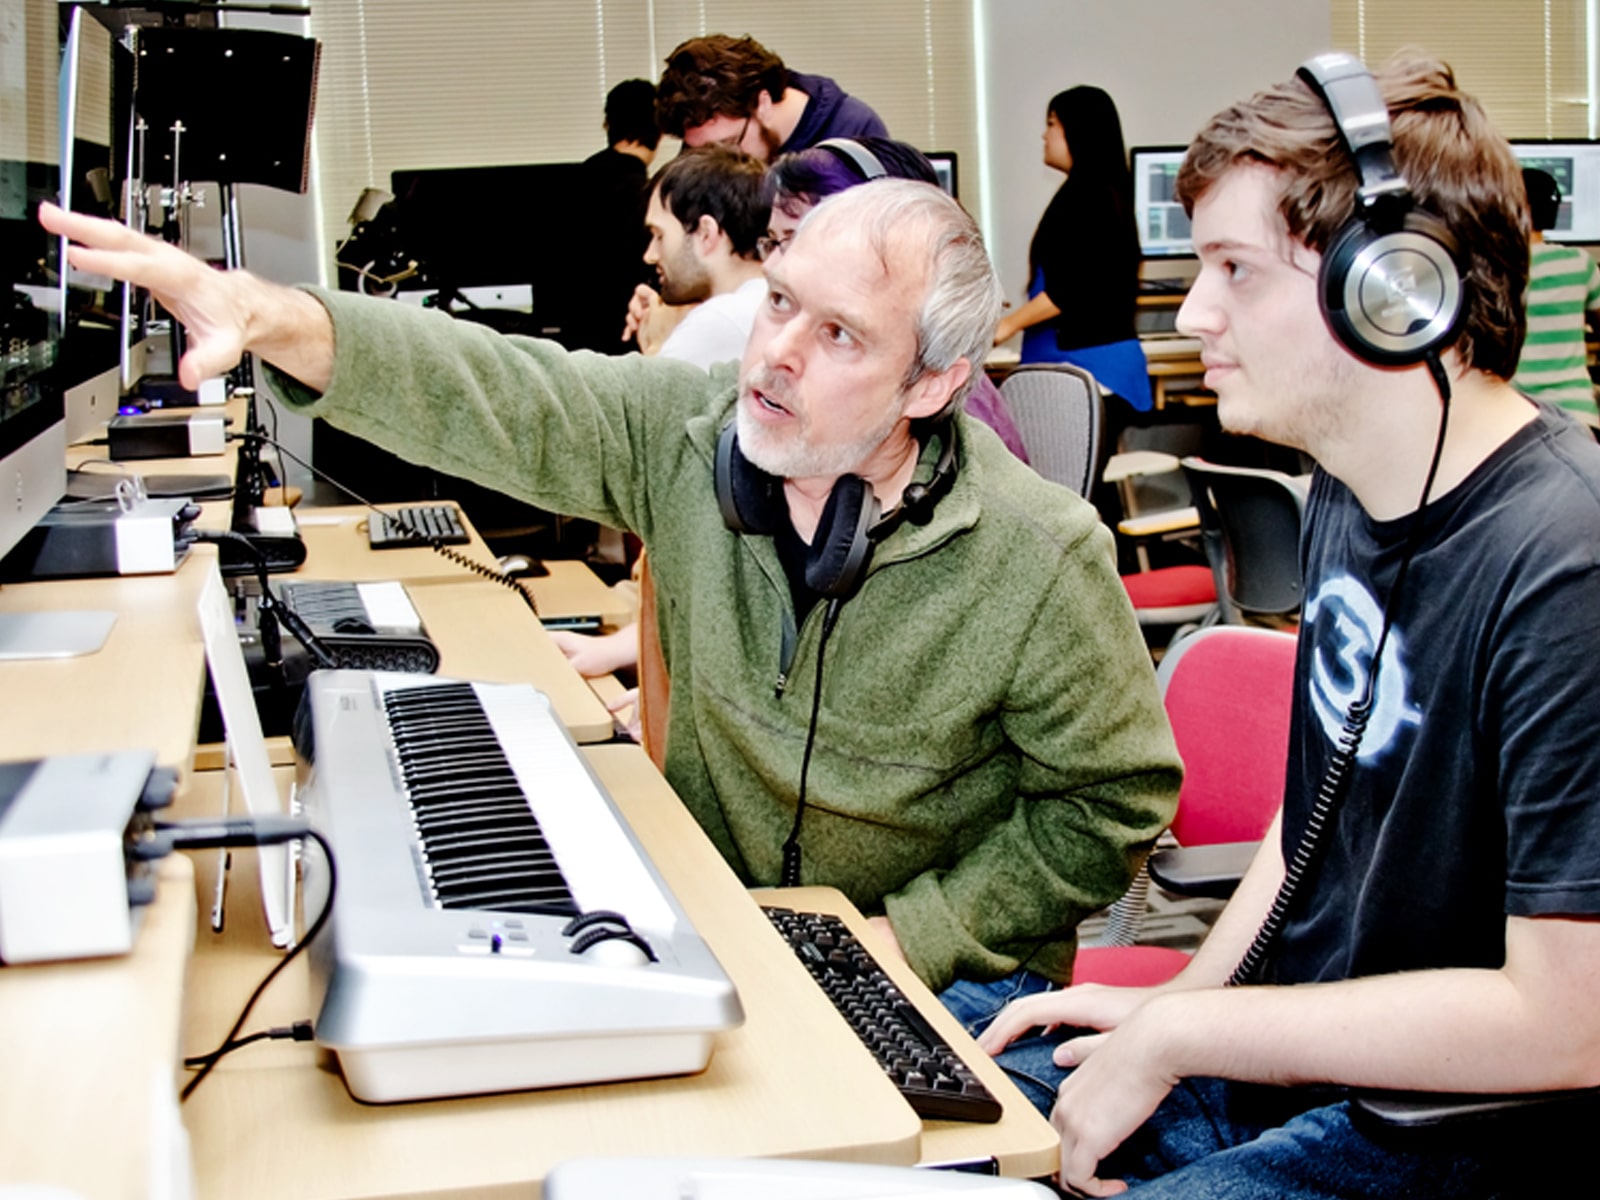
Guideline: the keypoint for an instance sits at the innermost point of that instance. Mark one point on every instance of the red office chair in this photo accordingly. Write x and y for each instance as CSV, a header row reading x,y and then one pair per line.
x,y
1227,692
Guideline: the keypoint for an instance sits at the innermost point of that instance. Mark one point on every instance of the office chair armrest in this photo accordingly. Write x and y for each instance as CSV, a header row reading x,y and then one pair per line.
x,y
1392,1112
1212,871
1157,524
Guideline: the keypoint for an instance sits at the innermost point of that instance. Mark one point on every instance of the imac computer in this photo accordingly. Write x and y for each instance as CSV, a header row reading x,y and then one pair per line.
x,y
1576,167
99,317
1163,225
33,440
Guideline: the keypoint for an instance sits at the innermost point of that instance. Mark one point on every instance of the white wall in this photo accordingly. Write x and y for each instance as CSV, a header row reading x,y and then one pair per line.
x,y
1169,65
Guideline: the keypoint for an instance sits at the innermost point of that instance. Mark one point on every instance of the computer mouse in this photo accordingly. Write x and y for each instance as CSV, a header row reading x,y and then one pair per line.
x,y
520,564
352,625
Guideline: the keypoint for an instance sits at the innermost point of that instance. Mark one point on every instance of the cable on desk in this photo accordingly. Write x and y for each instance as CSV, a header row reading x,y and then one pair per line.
x,y
246,831
438,547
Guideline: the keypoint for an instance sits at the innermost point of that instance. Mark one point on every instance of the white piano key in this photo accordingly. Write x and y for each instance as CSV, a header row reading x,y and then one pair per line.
x,y
388,606
599,862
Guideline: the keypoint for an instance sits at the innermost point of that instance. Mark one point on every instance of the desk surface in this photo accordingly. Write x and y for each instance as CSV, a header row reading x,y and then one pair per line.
x,y
87,1101
89,1047
791,1082
337,548
486,633
140,690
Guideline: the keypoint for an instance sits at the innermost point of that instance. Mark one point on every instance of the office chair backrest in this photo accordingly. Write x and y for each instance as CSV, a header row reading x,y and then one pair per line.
x,y
1250,524
1227,691
1058,411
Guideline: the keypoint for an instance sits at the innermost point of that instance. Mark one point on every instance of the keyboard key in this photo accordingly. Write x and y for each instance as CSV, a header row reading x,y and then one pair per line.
x,y
416,525
929,1073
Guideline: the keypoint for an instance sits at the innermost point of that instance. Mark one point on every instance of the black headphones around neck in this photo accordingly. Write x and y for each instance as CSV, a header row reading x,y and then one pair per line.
x,y
1390,287
852,522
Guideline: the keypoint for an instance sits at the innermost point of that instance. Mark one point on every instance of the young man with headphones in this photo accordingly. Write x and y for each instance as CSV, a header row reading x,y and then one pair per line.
x,y
901,663
1421,916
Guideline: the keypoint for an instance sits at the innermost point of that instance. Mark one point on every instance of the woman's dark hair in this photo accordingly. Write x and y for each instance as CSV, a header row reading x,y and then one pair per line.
x,y
1544,197
805,177
1093,129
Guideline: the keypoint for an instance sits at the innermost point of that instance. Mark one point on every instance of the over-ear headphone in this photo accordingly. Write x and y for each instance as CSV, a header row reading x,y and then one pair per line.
x,y
1390,287
852,522
853,152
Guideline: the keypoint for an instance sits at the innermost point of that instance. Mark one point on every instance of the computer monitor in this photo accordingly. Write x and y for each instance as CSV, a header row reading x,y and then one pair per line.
x,y
1163,225
527,245
33,444
1575,165
100,320
947,167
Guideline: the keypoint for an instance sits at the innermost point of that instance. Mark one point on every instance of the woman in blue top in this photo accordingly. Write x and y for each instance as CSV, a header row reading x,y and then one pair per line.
x,y
1084,258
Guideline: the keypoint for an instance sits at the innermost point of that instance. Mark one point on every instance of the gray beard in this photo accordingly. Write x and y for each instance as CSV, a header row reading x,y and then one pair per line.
x,y
793,458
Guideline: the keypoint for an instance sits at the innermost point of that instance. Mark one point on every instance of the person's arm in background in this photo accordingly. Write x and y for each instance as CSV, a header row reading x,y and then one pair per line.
x,y
651,320
1040,308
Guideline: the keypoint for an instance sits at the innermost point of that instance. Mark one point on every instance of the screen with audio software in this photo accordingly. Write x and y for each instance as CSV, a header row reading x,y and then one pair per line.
x,y
1576,168
1163,225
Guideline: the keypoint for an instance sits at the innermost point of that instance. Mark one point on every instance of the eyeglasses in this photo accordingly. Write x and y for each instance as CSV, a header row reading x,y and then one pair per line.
x,y
770,245
735,143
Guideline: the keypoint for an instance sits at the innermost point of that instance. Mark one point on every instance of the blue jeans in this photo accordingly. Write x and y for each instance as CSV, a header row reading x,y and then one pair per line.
x,y
1213,1138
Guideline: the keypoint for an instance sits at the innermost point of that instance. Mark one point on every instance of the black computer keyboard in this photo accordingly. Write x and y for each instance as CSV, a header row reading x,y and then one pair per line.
x,y
416,525
929,1074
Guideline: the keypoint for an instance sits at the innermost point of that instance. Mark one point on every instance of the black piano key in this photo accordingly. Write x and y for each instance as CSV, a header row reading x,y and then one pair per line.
x,y
481,843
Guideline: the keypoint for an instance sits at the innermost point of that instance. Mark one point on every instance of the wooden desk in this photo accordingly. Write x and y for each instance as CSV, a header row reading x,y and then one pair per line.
x,y
141,690
87,1101
86,1098
486,633
791,1082
337,548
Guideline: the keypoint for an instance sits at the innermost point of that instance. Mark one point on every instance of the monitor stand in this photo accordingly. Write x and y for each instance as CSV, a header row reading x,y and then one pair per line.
x,y
53,634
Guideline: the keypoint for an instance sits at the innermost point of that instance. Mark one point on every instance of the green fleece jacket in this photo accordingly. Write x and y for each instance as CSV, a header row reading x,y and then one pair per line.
x,y
992,760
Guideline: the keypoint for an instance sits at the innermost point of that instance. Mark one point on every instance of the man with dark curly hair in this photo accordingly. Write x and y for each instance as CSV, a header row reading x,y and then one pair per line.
x,y
737,92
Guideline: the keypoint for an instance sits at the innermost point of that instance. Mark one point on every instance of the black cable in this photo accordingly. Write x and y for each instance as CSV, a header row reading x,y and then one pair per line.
x,y
271,610
438,547
790,876
229,1043
1336,778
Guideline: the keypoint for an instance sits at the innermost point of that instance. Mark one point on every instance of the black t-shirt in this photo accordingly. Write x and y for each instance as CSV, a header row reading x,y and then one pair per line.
x,y
1476,792
608,221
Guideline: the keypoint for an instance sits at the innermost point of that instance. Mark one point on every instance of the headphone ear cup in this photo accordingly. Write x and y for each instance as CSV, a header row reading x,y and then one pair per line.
x,y
842,546
1391,298
747,496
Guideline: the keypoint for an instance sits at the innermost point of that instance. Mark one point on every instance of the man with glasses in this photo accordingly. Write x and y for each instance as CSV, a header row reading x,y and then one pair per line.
x,y
705,215
737,92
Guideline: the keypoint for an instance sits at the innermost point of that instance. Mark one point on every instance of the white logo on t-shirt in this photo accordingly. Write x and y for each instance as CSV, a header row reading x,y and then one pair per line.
x,y
1346,635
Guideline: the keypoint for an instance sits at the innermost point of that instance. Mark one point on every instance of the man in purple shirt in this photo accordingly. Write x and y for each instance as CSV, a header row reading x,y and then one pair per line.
x,y
737,92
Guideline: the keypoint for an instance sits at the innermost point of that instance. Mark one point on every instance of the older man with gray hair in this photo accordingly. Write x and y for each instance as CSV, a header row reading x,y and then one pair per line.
x,y
902,664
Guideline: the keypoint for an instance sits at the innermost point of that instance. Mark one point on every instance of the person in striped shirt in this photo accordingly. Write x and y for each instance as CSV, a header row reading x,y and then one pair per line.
x,y
1563,290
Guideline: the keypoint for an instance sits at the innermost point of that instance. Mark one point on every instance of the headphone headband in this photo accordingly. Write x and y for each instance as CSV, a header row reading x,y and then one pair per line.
x,y
852,151
1352,97
1390,287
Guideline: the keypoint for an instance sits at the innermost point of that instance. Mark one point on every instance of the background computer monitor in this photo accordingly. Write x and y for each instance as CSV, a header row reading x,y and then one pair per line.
x,y
1576,168
33,443
1163,225
525,242
101,321
947,167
